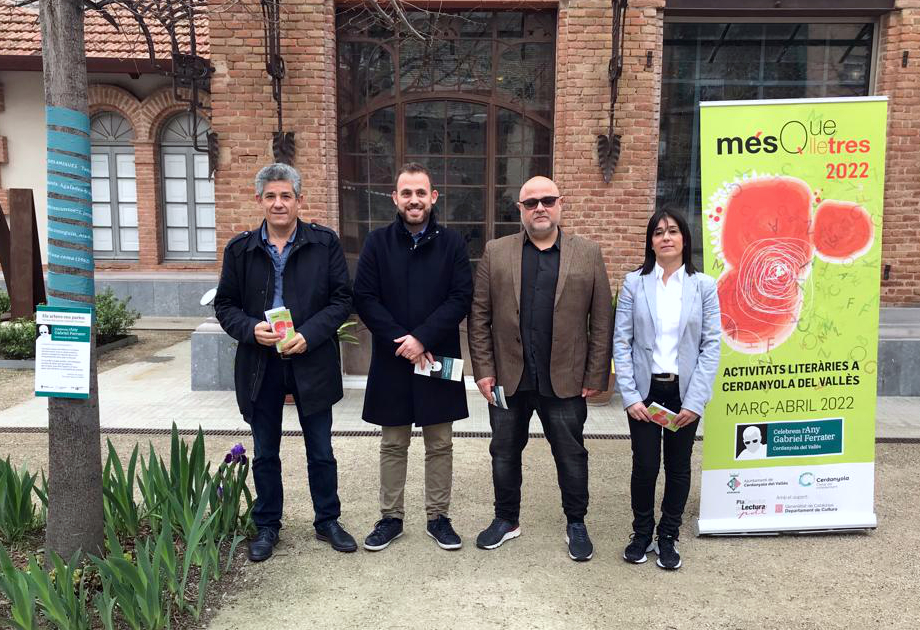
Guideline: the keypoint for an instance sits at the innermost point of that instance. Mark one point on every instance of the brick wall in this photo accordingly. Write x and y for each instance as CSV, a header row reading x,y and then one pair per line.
x,y
900,32
613,214
245,116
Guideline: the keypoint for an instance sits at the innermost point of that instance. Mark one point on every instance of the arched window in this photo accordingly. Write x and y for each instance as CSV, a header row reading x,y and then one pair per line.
x,y
114,187
188,193
474,104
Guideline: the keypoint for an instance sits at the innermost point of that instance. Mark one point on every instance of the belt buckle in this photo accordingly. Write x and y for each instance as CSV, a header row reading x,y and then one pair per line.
x,y
666,379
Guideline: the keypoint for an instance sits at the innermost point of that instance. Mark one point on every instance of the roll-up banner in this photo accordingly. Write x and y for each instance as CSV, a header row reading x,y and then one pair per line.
x,y
792,214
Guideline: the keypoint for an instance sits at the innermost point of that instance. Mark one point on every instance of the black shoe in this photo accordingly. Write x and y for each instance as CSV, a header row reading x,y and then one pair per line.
x,y
666,548
260,547
386,530
635,551
440,529
497,533
581,548
334,534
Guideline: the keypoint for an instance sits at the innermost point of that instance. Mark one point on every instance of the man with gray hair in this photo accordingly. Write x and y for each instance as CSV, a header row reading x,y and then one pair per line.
x,y
287,263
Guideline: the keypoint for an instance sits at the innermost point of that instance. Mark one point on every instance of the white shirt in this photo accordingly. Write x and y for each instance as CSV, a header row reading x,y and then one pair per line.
x,y
668,301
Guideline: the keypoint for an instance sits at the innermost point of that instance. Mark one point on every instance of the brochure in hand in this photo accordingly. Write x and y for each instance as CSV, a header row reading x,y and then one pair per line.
x,y
498,397
663,416
282,323
447,368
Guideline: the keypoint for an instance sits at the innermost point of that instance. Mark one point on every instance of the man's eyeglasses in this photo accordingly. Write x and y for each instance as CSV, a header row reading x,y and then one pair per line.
x,y
548,202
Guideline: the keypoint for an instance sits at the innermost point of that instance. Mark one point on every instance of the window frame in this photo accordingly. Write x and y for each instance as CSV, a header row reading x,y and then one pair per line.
x,y
112,148
172,147
400,98
753,18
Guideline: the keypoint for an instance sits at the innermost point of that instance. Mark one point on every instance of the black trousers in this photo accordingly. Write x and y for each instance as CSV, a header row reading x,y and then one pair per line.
x,y
322,469
563,423
646,449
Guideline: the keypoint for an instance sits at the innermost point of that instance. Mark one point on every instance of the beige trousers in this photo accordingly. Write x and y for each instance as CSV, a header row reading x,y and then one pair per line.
x,y
394,456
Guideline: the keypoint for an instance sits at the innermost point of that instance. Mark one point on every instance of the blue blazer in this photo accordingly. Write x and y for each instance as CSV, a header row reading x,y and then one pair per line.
x,y
698,346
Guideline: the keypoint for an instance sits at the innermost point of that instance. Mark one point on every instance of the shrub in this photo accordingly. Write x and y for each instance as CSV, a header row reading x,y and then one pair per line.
x,y
17,339
17,511
113,317
4,302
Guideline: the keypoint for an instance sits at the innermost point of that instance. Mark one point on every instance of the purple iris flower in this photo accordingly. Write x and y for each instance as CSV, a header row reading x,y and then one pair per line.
x,y
236,454
220,492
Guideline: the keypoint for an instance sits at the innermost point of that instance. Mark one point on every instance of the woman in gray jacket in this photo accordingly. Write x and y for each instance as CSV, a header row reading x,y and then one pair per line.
x,y
666,344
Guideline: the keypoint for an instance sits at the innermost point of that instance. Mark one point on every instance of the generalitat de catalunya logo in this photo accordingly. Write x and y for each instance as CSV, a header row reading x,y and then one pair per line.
x,y
806,479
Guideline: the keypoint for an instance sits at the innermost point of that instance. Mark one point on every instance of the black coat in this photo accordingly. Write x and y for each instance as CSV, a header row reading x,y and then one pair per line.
x,y
424,290
316,290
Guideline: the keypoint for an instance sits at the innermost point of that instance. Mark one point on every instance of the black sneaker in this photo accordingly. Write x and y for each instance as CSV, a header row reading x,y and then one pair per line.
x,y
386,530
334,534
666,548
440,529
497,533
638,545
260,547
581,548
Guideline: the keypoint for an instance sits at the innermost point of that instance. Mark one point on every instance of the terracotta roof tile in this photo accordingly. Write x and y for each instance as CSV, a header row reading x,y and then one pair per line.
x,y
20,34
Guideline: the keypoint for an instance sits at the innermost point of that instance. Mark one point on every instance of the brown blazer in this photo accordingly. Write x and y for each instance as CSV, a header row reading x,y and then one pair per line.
x,y
580,354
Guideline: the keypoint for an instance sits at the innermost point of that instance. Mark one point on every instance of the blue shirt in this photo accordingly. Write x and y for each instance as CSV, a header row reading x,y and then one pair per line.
x,y
418,235
278,261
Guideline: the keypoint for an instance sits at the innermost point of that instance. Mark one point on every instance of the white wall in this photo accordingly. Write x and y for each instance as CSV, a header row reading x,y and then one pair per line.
x,y
23,124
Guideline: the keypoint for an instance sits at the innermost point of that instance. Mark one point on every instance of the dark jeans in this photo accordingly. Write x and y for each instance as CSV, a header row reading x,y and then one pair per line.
x,y
563,423
646,448
266,465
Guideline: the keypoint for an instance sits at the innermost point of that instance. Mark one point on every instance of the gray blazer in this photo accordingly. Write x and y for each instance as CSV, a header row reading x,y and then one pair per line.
x,y
698,347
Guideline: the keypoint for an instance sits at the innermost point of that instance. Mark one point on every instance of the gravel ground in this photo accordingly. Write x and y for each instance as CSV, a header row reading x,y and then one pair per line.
x,y
19,385
863,580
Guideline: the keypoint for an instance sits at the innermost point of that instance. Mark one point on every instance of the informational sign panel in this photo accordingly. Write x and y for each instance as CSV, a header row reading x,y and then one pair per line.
x,y
62,349
792,213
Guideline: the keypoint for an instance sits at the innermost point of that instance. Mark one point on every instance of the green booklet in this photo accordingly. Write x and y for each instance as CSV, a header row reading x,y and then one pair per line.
x,y
282,323
663,416
446,368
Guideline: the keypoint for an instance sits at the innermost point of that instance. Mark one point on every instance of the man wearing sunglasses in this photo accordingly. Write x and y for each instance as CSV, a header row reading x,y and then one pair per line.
x,y
540,329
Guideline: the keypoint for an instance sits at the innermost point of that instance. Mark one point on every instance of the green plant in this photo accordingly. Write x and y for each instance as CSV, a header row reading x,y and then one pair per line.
x,y
113,317
346,335
135,589
228,491
61,592
15,585
17,511
118,493
17,339
4,302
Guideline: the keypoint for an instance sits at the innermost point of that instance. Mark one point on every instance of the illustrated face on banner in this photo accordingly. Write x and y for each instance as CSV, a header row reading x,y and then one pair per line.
x,y
43,330
753,440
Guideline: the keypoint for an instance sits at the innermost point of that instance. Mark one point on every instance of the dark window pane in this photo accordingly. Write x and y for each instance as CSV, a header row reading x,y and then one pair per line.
x,y
381,170
464,204
510,24
509,171
525,75
712,62
466,128
349,168
415,67
474,235
350,134
537,166
354,202
506,204
382,207
504,229
519,136
381,137
365,71
466,171
474,68
425,127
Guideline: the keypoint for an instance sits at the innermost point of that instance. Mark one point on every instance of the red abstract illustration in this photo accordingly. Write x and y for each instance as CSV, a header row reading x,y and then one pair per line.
x,y
768,230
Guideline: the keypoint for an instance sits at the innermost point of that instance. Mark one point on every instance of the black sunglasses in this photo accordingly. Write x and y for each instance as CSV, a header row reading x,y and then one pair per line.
x,y
548,202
